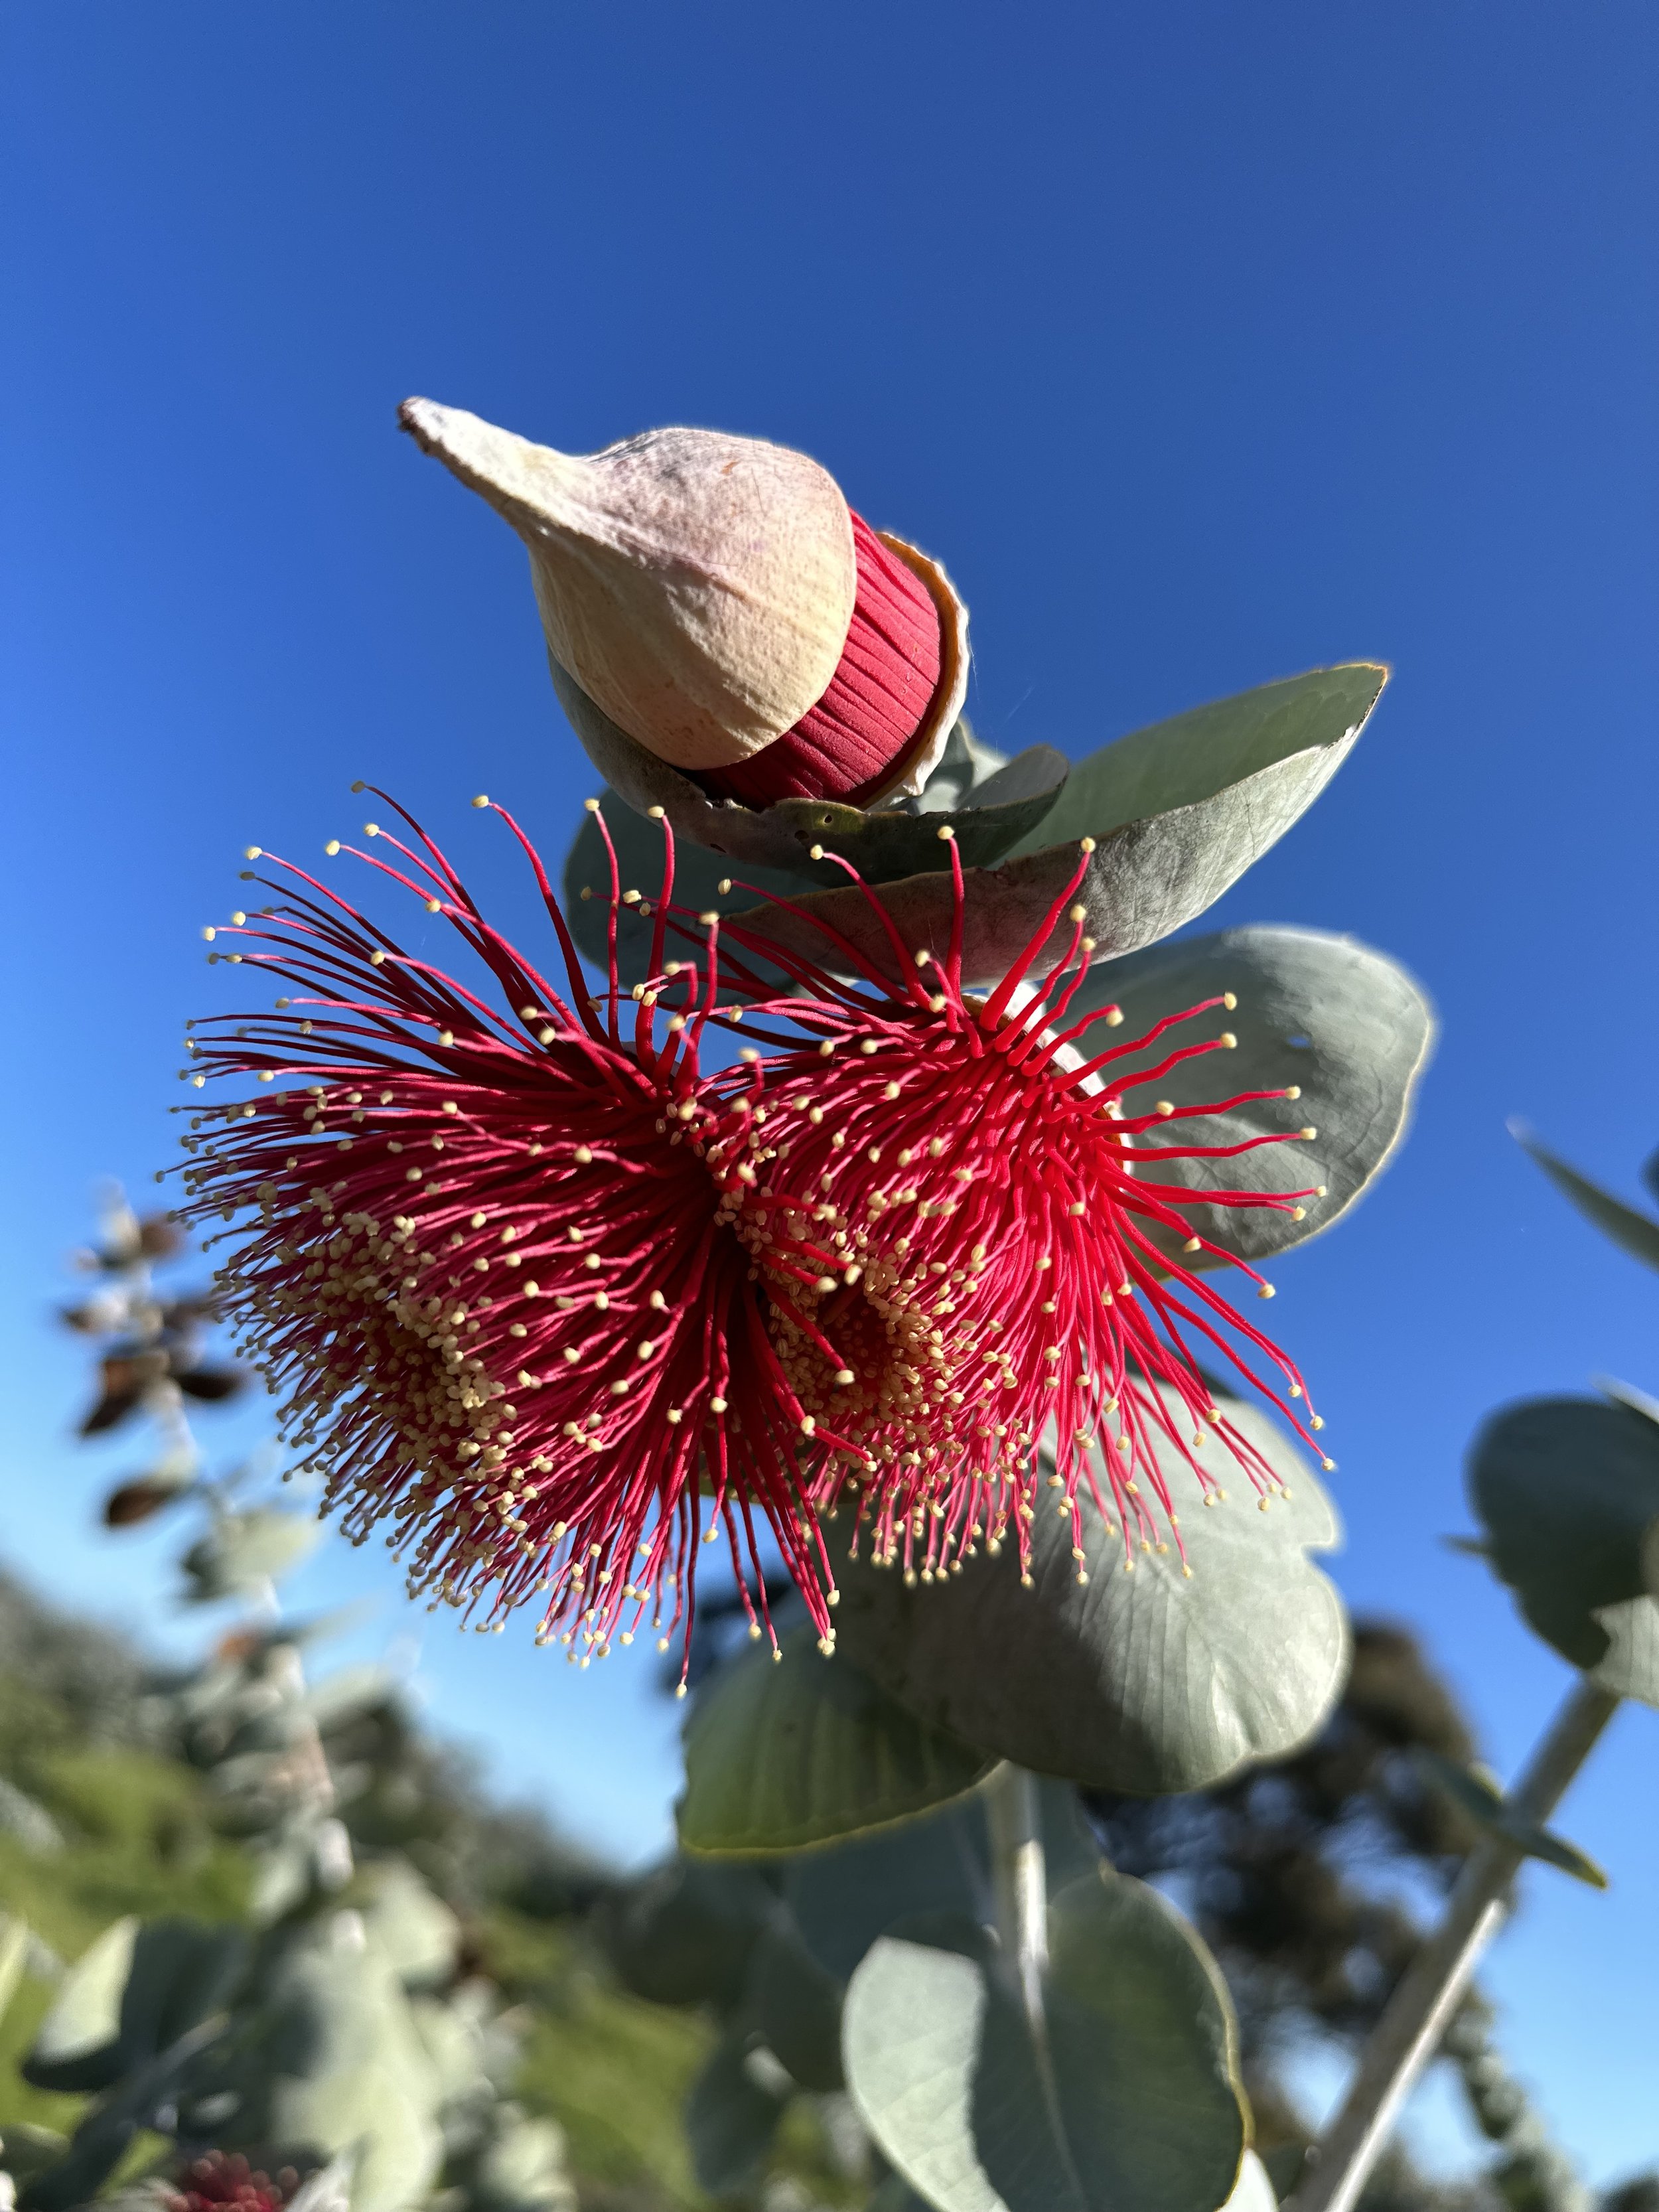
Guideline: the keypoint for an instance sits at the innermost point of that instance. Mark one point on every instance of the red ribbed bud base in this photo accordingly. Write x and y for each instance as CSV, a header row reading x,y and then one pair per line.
x,y
845,747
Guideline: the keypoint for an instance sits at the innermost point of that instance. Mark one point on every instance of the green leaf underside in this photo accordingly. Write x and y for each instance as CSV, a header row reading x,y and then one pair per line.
x,y
1631,1668
1192,755
1178,812
1492,1812
1141,883
731,2116
1567,1489
1137,2105
683,1933
802,1750
1146,1682
333,2061
842,1899
796,2005
887,840
1631,1232
1320,1013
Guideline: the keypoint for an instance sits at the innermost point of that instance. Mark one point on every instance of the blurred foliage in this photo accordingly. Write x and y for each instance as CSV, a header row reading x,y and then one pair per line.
x,y
137,1829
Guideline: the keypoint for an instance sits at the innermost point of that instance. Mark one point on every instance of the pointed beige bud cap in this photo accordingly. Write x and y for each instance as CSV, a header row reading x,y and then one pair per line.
x,y
698,587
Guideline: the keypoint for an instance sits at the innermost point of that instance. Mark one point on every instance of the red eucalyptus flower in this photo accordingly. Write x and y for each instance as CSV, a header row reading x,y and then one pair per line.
x,y
555,1304
223,2179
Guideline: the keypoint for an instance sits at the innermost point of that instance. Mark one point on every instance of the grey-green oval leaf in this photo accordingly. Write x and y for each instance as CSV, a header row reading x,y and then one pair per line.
x,y
802,1750
1146,1681
78,2044
1133,2106
1566,1489
1207,794
1190,757
243,1552
1344,1026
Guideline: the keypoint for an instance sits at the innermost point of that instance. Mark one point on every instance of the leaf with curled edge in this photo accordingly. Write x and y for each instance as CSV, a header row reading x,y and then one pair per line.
x,y
1345,1026
1219,787
1146,1682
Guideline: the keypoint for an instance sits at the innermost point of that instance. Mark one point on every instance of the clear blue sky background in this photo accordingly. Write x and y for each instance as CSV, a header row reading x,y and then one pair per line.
x,y
1205,343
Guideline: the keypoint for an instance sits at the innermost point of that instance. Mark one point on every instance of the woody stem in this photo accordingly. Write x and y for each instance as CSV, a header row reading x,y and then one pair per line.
x,y
1421,2009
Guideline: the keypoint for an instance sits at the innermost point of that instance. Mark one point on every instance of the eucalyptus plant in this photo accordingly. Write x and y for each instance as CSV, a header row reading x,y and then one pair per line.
x,y
337,2038
848,1182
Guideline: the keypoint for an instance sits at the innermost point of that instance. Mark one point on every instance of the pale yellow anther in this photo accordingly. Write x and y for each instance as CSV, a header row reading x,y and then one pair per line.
x,y
1113,1017
1193,1244
945,833
1266,1290
1077,913
815,853
1228,1042
675,1416
592,805
332,847
1295,1090
1166,1107
1085,845
655,812
584,1156
717,1404
1309,1131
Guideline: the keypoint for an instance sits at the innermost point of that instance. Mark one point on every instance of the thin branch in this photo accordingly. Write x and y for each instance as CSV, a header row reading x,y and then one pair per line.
x,y
1422,2008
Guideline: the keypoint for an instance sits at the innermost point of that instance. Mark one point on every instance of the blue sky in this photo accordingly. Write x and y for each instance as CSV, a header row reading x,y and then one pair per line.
x,y
1204,344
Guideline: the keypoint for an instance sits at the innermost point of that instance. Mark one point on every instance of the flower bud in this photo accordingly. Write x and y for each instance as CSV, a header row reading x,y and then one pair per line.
x,y
717,598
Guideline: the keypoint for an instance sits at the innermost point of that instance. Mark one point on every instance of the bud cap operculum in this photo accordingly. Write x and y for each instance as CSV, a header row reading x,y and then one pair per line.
x,y
699,586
